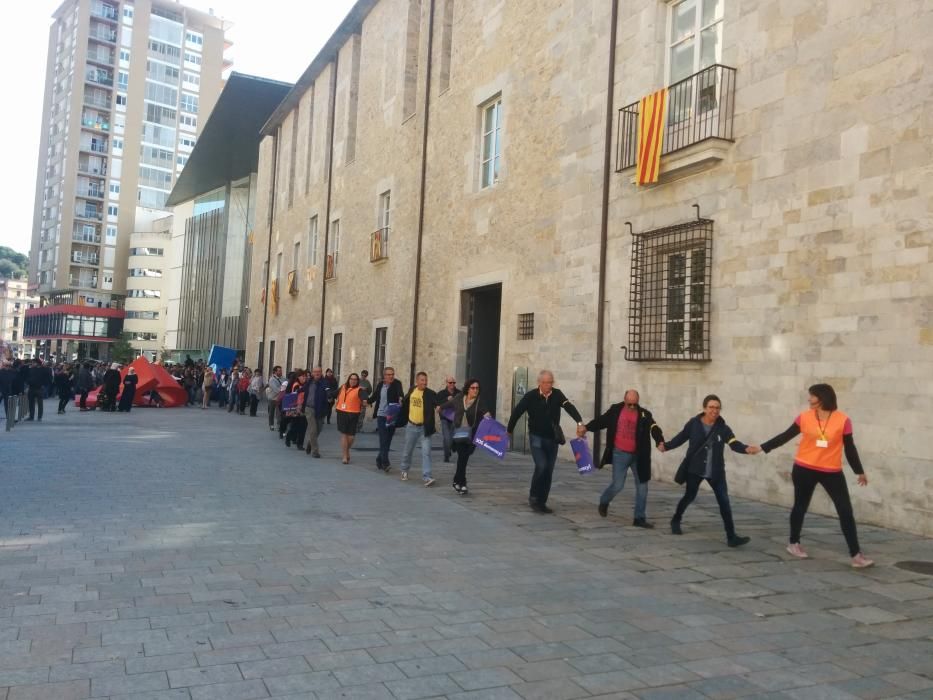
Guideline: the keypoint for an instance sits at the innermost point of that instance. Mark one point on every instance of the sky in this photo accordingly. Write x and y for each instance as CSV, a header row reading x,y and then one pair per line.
x,y
271,38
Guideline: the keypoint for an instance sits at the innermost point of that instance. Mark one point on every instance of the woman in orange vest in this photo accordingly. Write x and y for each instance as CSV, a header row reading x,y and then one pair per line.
x,y
349,404
826,432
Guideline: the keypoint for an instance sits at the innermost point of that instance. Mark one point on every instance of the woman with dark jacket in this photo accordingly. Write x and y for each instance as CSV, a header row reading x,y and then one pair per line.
x,y
63,383
826,433
129,390
630,430
468,410
708,434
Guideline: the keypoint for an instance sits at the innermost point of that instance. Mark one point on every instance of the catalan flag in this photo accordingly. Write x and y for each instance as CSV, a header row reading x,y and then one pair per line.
x,y
651,115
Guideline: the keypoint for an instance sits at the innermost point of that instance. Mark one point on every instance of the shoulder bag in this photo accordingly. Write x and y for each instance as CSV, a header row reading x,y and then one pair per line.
x,y
463,435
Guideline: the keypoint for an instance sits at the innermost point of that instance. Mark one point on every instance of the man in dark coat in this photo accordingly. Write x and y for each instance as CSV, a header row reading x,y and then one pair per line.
x,y
110,389
630,428
38,382
84,384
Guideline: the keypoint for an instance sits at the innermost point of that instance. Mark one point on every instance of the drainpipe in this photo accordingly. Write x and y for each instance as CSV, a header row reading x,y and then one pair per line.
x,y
424,175
330,180
265,307
604,230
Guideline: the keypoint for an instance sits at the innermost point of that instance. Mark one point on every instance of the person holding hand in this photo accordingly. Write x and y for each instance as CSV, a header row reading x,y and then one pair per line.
x,y
708,434
825,434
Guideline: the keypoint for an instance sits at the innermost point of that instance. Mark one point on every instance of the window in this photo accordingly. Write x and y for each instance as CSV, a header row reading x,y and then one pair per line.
x,y
289,351
193,38
144,272
669,308
112,210
312,242
147,251
143,315
296,255
157,114
121,99
192,78
526,326
144,293
338,354
186,142
189,103
181,160
124,55
271,353
186,121
695,37
385,209
156,92
192,59
111,235
278,266
333,245
379,352
492,145
309,360
128,11
123,79
114,188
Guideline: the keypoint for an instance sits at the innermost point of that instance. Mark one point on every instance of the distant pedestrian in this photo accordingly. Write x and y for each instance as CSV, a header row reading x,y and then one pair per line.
x,y
387,396
708,434
630,430
38,382
243,391
63,387
543,406
350,404
234,396
447,392
331,385
107,396
417,416
257,384
275,389
207,384
826,433
366,390
298,423
468,409
129,390
84,384
316,408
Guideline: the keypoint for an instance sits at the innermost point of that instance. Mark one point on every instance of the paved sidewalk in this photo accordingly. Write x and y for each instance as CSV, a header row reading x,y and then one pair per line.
x,y
186,555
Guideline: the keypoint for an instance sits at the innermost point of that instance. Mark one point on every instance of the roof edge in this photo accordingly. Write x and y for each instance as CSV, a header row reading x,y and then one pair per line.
x,y
351,24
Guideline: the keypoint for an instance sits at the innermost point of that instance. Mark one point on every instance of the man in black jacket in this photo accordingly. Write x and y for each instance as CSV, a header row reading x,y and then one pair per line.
x,y
630,428
38,380
388,393
417,415
449,391
543,406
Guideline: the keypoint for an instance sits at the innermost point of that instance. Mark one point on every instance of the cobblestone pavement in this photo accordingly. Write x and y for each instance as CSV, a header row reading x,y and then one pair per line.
x,y
186,555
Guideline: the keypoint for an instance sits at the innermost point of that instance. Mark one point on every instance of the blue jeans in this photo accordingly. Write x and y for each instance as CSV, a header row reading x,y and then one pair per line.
x,y
414,435
621,463
720,490
385,441
544,454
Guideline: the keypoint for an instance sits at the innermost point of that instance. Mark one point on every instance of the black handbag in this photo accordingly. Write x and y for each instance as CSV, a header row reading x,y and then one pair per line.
x,y
680,476
559,434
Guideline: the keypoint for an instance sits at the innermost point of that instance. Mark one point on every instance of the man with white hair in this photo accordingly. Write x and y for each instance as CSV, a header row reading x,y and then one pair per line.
x,y
448,392
543,406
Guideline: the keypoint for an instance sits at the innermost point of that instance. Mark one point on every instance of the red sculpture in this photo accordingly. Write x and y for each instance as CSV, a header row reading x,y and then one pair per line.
x,y
152,377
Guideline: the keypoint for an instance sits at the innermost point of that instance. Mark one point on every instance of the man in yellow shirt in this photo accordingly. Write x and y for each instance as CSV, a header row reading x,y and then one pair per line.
x,y
417,415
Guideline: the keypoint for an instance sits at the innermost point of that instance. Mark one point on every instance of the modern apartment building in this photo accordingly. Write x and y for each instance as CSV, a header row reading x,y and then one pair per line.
x,y
146,282
15,300
126,85
450,188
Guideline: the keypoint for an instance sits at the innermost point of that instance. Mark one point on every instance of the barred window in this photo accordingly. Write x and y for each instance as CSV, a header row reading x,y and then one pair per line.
x,y
526,326
669,301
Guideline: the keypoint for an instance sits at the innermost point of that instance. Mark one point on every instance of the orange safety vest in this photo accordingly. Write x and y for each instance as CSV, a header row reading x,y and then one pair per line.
x,y
348,400
809,453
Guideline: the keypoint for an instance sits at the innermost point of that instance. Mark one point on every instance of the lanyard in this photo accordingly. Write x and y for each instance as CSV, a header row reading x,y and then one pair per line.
x,y
820,424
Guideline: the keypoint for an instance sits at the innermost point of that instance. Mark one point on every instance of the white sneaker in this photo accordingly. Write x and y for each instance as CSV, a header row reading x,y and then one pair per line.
x,y
795,550
859,561
428,482
404,476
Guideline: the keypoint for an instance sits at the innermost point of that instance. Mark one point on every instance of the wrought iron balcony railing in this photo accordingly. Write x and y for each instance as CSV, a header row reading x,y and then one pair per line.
x,y
699,107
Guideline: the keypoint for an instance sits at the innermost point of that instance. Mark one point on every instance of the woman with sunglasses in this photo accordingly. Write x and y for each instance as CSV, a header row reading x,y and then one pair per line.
x,y
468,412
825,434
349,405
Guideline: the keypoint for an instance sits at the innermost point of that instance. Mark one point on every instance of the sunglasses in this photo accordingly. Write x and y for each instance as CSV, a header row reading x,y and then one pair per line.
x,y
475,386
631,405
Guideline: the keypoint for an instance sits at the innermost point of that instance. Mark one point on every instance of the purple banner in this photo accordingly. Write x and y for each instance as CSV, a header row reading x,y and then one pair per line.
x,y
582,456
492,436
448,414
289,402
392,411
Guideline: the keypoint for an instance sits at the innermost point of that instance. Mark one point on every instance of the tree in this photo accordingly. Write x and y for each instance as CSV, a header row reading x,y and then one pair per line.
x,y
13,264
121,351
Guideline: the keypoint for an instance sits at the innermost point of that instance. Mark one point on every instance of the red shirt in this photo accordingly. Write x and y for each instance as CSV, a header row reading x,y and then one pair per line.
x,y
625,430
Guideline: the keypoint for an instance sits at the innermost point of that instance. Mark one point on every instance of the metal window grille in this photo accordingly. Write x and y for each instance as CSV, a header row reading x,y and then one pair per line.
x,y
669,299
526,326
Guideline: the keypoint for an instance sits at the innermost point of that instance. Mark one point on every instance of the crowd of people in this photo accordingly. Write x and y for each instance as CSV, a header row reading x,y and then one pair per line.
x,y
302,402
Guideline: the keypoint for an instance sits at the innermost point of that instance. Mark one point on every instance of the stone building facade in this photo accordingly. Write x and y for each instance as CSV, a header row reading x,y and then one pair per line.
x,y
786,242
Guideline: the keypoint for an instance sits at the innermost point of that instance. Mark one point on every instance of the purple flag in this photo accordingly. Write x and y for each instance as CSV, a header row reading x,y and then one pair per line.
x,y
581,453
449,414
493,437
289,401
392,411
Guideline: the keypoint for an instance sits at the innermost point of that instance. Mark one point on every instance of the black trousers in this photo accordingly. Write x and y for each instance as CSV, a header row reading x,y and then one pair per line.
x,y
84,394
243,400
720,489
805,482
63,401
463,450
35,397
253,404
297,427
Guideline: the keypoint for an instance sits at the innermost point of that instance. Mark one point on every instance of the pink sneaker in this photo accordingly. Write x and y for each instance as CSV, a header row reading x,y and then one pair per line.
x,y
860,562
795,550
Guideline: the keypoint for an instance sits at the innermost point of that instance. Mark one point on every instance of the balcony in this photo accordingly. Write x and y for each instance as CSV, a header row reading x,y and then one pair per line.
x,y
293,283
98,101
89,213
700,110
104,11
379,245
97,123
100,33
79,236
85,259
92,168
104,58
83,282
99,77
95,147
90,192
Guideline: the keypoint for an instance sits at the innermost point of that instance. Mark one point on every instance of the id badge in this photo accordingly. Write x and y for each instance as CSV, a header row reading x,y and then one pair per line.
x,y
822,443
343,407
